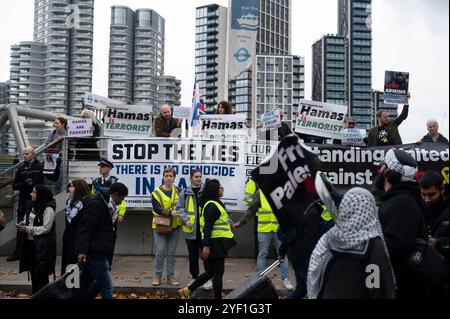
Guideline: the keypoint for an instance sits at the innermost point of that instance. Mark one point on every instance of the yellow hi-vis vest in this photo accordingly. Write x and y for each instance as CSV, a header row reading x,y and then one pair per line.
x,y
250,190
189,207
166,202
326,215
221,228
267,222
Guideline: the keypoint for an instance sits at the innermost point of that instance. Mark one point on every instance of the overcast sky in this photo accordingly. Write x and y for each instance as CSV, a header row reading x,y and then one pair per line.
x,y
408,35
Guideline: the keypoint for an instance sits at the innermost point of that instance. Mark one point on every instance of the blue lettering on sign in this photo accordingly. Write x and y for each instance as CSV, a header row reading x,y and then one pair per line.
x,y
144,185
242,55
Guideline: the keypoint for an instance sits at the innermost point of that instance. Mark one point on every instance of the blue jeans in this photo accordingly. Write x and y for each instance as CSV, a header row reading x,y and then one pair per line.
x,y
300,287
96,269
166,245
264,241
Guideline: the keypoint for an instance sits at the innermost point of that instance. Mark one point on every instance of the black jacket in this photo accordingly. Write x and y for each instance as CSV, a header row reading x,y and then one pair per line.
x,y
345,275
429,139
401,216
69,256
44,246
96,231
219,246
35,173
437,222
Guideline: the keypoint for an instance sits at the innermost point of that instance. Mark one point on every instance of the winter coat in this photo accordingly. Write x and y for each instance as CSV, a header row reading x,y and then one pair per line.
x,y
163,127
346,276
391,128
401,217
428,139
96,231
43,249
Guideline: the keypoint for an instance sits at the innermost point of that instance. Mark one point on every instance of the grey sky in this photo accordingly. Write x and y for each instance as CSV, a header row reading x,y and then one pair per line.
x,y
408,35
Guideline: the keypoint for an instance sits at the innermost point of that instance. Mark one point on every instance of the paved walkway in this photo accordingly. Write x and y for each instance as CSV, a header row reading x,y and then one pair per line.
x,y
134,274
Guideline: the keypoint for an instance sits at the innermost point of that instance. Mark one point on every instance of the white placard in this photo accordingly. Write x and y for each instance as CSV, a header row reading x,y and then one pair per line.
x,y
180,112
79,128
271,120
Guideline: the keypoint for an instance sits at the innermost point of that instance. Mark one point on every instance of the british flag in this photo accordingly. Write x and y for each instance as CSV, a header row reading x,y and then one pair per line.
x,y
198,104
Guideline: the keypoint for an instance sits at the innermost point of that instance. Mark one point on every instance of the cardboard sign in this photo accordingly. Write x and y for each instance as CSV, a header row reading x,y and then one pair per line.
x,y
129,121
396,86
353,137
320,119
79,128
271,120
180,112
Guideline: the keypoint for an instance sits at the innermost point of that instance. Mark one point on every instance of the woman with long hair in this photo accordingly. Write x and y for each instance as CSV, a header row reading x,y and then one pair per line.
x,y
39,251
78,191
164,203
224,108
217,239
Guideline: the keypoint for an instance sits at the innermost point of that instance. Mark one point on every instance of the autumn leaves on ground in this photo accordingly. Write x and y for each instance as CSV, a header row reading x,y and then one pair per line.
x,y
156,295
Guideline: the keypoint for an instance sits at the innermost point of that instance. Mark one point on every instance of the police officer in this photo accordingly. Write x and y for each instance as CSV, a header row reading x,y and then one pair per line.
x,y
104,182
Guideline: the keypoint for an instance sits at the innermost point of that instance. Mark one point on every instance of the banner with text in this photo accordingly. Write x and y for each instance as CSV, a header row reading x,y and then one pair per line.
x,y
129,121
353,137
99,102
79,128
223,127
320,119
243,33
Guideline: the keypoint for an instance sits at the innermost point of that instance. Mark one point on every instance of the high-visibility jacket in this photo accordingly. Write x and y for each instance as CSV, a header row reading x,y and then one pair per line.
x,y
221,228
326,215
189,207
98,184
267,222
250,190
167,202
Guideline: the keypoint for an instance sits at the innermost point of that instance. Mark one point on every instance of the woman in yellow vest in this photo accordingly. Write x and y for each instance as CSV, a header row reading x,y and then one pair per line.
x,y
164,203
190,217
217,239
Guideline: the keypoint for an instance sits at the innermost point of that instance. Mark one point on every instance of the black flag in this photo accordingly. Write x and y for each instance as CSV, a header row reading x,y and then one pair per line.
x,y
287,180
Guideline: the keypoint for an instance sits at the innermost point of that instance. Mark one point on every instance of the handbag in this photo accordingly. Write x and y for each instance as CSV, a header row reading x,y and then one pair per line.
x,y
426,263
163,225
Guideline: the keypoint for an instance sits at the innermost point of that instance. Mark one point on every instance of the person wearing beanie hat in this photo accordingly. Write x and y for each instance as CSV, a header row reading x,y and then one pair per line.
x,y
401,215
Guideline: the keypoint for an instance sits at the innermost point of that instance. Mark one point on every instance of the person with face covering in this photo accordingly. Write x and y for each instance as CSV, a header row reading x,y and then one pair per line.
x,y
402,218
39,250
339,263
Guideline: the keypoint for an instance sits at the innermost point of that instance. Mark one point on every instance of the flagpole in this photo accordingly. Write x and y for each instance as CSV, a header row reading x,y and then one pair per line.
x,y
227,58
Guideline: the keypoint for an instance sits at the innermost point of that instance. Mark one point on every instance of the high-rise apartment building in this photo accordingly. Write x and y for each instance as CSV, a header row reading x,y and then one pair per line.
x,y
210,53
136,59
328,78
354,23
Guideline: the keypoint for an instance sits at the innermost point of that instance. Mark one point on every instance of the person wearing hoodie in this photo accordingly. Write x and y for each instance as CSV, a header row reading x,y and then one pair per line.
x,y
39,249
340,261
401,215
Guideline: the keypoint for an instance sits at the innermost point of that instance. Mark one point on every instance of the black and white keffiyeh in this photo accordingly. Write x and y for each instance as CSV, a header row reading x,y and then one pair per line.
x,y
72,210
402,163
356,224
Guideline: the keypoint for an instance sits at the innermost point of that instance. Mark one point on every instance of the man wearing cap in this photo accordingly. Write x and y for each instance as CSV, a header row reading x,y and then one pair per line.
x,y
401,216
104,182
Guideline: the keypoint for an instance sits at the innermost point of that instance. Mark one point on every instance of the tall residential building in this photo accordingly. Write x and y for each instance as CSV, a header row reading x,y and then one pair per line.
x,y
328,78
4,89
136,59
354,23
210,53
378,104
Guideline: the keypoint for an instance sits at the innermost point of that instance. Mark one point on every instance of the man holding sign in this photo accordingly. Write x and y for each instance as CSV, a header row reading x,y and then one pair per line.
x,y
165,123
386,133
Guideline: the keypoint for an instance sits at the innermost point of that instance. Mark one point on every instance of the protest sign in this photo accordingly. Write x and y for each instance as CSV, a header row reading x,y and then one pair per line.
x,y
50,160
99,102
353,137
128,121
289,188
140,164
79,128
348,167
180,112
271,120
396,86
320,119
223,127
